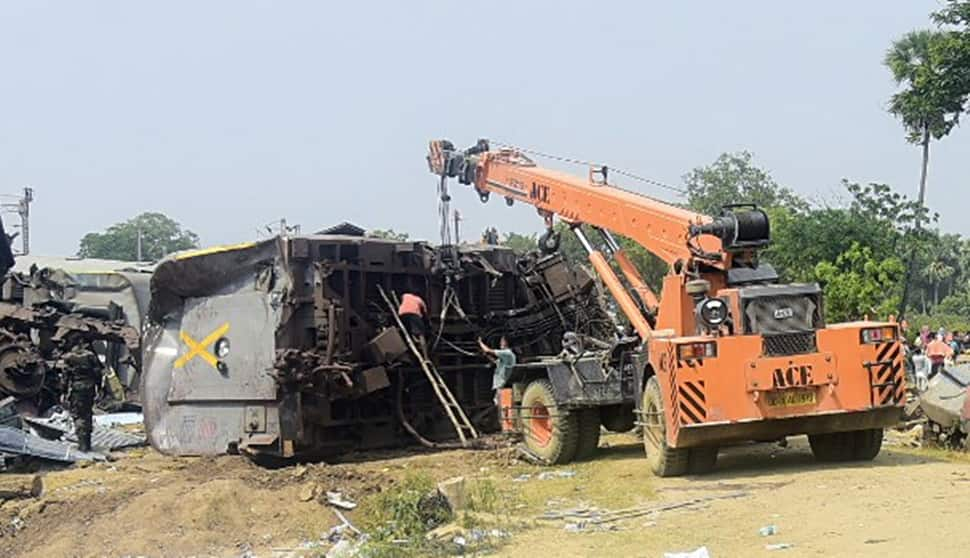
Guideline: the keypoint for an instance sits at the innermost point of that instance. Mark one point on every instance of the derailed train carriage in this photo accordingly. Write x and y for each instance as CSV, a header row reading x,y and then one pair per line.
x,y
48,305
285,347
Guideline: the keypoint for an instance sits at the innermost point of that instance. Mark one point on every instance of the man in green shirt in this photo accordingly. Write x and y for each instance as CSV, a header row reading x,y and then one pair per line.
x,y
504,359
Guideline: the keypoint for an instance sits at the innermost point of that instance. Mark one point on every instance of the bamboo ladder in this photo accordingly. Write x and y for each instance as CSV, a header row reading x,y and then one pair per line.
x,y
454,411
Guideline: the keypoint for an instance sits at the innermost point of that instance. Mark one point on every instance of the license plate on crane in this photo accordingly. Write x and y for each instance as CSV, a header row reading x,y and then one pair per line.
x,y
791,398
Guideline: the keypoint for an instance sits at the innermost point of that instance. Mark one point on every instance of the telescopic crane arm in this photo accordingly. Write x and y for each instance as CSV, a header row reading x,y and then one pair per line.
x,y
682,238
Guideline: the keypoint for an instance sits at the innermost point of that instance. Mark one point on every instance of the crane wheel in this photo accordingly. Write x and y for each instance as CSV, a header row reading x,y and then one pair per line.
x,y
868,443
664,460
549,431
859,445
589,432
701,461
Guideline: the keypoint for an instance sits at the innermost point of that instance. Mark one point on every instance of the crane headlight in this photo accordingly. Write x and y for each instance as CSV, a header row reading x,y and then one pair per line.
x,y
712,312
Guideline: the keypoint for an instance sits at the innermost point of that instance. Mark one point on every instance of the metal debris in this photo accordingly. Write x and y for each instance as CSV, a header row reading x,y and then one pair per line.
x,y
588,527
598,516
944,404
102,438
14,441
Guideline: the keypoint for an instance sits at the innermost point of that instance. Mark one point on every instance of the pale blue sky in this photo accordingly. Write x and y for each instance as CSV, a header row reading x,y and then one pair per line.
x,y
227,115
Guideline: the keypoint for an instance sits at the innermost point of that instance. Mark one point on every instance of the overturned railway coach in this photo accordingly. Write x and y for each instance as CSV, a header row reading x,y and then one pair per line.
x,y
286,348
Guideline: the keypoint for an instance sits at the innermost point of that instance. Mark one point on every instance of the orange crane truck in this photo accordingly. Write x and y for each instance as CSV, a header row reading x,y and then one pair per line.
x,y
725,354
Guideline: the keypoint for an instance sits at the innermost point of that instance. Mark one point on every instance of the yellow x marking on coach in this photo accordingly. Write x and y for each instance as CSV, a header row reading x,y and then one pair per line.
x,y
200,349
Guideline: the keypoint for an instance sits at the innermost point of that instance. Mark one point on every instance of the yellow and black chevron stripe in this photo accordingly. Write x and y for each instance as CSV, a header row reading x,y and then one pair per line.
x,y
691,402
887,376
694,363
674,402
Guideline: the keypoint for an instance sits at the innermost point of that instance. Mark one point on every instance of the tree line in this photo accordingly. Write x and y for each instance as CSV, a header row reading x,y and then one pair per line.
x,y
855,247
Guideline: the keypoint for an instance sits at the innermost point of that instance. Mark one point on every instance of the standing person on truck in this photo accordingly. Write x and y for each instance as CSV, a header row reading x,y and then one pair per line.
x,y
413,312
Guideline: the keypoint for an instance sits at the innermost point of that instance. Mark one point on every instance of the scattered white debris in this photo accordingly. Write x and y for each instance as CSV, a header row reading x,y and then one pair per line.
x,y
768,530
701,552
337,499
549,475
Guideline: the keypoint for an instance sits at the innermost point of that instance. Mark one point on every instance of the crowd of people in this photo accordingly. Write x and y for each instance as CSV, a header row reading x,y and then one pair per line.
x,y
930,352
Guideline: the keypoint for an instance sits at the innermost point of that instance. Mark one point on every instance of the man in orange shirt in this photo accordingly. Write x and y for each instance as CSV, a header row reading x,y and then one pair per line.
x,y
413,312
938,351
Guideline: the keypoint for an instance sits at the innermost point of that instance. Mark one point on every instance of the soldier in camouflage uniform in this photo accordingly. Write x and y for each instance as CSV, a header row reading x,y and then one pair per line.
x,y
83,370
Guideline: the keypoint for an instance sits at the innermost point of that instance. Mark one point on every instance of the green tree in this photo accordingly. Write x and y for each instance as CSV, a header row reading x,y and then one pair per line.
x,y
956,304
859,284
954,46
928,104
876,217
734,178
938,272
569,245
650,266
521,243
160,235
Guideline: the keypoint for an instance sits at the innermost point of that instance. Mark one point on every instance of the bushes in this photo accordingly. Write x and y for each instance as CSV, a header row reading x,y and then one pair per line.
x,y
406,511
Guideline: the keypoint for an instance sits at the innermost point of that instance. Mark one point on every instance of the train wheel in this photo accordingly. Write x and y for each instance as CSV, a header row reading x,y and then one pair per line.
x,y
550,432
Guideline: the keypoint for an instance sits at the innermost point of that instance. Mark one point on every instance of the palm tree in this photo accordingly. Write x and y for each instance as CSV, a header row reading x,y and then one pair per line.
x,y
925,105
938,272
928,103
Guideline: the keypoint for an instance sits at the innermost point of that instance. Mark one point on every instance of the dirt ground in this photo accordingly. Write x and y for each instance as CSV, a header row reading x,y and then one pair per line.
x,y
907,502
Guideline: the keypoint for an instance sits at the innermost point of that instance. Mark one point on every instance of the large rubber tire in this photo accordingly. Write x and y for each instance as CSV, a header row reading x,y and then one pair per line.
x,y
664,461
618,418
589,432
701,461
859,445
550,432
832,446
868,443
